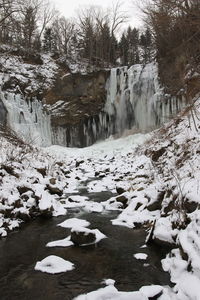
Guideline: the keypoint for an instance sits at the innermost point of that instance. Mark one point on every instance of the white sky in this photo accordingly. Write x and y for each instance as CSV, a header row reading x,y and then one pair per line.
x,y
68,8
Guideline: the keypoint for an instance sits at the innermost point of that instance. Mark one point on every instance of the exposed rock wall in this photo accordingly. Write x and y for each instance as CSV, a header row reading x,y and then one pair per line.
x,y
73,102
134,101
44,102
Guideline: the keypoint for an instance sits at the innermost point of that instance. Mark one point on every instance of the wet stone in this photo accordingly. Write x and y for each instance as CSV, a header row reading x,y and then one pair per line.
x,y
81,238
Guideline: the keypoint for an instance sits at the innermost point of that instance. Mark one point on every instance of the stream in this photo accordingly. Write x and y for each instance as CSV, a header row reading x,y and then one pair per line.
x,y
110,258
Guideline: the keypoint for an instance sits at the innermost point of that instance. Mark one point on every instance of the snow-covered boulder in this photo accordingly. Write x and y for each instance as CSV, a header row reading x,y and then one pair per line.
x,y
81,236
53,265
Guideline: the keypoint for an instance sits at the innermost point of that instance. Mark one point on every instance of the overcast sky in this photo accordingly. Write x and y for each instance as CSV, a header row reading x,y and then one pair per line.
x,y
68,8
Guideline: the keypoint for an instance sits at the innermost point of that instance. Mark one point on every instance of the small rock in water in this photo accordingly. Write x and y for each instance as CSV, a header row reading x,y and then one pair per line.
x,y
122,199
120,190
82,238
46,213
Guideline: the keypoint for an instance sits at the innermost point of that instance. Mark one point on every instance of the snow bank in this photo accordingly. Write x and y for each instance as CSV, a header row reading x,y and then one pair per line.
x,y
110,292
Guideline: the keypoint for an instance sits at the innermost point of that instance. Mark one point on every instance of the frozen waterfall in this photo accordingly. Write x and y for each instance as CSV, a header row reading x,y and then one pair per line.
x,y
135,101
27,118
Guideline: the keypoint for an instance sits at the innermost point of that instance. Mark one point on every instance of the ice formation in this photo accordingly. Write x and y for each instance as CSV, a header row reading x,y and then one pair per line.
x,y
135,101
27,118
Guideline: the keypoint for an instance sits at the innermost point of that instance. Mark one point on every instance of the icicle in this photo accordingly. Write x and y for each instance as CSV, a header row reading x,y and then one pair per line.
x,y
22,120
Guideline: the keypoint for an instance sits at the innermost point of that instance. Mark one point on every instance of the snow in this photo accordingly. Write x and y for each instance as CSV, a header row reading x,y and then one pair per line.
x,y
151,291
134,163
94,207
163,230
108,281
61,243
53,265
46,201
145,293
110,292
141,256
109,147
74,222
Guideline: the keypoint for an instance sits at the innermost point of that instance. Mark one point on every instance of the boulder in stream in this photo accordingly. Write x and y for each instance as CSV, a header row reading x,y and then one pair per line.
x,y
82,236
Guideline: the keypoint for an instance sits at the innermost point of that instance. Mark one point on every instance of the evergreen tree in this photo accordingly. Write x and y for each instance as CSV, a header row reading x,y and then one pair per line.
x,y
29,26
133,42
129,47
123,48
146,46
47,40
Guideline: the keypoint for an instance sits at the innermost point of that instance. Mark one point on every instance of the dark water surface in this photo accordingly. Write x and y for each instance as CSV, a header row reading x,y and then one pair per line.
x,y
111,258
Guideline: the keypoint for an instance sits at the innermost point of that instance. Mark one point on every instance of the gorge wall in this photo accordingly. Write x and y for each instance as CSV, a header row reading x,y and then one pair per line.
x,y
134,100
46,104
74,100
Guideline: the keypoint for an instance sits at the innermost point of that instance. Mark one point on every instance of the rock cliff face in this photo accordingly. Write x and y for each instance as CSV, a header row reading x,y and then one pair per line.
x,y
42,100
75,96
46,103
72,102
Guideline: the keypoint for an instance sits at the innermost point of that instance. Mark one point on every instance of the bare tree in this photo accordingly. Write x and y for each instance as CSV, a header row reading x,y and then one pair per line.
x,y
118,17
63,32
46,15
7,8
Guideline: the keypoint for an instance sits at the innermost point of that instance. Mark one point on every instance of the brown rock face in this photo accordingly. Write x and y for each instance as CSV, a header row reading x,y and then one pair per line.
x,y
75,102
76,97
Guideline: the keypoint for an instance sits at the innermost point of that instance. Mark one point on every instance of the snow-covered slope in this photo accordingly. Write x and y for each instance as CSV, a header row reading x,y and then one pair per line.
x,y
158,185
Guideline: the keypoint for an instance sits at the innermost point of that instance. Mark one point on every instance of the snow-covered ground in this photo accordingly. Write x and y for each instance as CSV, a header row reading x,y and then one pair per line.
x,y
17,73
160,189
155,176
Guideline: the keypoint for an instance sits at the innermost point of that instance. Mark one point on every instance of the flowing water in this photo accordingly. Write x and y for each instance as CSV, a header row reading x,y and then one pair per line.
x,y
110,258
